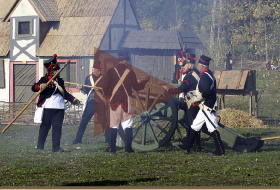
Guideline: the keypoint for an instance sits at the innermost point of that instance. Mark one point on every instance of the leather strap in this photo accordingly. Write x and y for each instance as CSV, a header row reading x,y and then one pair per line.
x,y
119,82
97,90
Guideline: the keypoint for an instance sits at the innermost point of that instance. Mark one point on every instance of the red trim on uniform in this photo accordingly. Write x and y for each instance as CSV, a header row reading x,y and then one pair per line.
x,y
192,58
269,68
100,66
205,70
124,107
52,64
143,83
40,105
37,88
186,82
108,97
203,61
190,73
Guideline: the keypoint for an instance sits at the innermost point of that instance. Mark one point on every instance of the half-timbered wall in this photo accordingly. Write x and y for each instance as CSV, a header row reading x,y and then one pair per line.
x,y
24,37
120,23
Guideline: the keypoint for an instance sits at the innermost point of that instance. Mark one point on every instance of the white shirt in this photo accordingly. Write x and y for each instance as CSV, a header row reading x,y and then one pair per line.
x,y
56,101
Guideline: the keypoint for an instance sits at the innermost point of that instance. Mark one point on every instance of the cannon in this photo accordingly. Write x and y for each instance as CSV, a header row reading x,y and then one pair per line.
x,y
157,120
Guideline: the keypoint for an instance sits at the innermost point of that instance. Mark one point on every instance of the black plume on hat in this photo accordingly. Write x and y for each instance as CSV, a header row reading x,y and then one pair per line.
x,y
123,56
204,60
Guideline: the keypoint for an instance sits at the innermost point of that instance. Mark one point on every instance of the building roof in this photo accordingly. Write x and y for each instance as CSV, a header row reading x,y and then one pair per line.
x,y
76,26
5,8
81,27
171,40
47,10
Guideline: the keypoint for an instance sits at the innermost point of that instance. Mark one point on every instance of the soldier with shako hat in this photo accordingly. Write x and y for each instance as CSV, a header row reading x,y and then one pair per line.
x,y
52,100
118,86
205,96
95,103
188,86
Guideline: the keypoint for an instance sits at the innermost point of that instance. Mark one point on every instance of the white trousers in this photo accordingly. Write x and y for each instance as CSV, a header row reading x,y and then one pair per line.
x,y
119,116
201,119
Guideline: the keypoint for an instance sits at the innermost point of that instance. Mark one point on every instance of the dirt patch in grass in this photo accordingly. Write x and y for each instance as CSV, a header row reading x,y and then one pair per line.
x,y
233,118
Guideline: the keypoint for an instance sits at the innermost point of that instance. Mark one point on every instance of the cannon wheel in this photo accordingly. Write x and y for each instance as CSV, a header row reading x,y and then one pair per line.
x,y
154,122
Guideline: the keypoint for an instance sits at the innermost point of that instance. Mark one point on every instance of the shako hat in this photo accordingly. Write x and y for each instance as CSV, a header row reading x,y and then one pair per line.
x,y
123,56
190,59
51,64
204,60
97,65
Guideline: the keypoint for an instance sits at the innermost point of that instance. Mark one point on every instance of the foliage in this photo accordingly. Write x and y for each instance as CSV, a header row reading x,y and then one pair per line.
x,y
246,27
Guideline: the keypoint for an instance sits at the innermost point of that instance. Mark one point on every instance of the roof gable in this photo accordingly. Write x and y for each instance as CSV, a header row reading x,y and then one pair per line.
x,y
46,9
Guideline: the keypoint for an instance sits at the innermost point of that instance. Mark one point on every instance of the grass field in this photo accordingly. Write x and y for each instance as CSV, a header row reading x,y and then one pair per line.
x,y
22,165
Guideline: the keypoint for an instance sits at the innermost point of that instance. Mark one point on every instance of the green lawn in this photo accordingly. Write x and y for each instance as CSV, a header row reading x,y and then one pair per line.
x,y
22,165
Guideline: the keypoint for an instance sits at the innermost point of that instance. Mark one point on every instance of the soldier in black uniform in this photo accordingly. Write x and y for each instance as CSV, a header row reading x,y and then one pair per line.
x,y
52,99
206,97
120,111
96,102
188,85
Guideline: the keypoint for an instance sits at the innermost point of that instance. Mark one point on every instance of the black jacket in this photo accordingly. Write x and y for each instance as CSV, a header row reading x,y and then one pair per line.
x,y
204,85
50,89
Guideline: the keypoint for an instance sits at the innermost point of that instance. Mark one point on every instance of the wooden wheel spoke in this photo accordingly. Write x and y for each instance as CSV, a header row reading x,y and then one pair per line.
x,y
147,99
179,131
138,110
152,133
161,118
139,101
162,129
144,135
164,107
136,119
136,130
155,101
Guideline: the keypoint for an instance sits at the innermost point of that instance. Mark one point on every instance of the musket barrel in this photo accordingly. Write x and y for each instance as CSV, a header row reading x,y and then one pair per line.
x,y
37,95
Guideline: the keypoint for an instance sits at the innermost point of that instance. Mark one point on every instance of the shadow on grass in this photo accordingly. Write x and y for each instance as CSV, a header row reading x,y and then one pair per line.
x,y
111,183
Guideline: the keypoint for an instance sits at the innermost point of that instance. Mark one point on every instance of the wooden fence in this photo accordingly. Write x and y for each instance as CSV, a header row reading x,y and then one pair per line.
x,y
9,110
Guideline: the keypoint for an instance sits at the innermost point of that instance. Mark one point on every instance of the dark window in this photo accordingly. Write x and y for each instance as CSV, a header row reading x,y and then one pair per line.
x,y
2,74
24,27
69,73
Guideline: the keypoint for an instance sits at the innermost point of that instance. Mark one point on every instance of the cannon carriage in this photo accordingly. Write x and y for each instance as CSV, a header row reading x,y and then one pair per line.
x,y
157,122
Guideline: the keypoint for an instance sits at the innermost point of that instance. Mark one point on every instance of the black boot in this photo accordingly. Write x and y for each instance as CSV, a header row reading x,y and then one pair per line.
x,y
196,144
219,144
106,134
128,140
112,141
189,142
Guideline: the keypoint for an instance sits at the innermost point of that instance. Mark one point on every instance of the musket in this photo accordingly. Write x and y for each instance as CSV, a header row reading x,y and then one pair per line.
x,y
38,94
94,87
